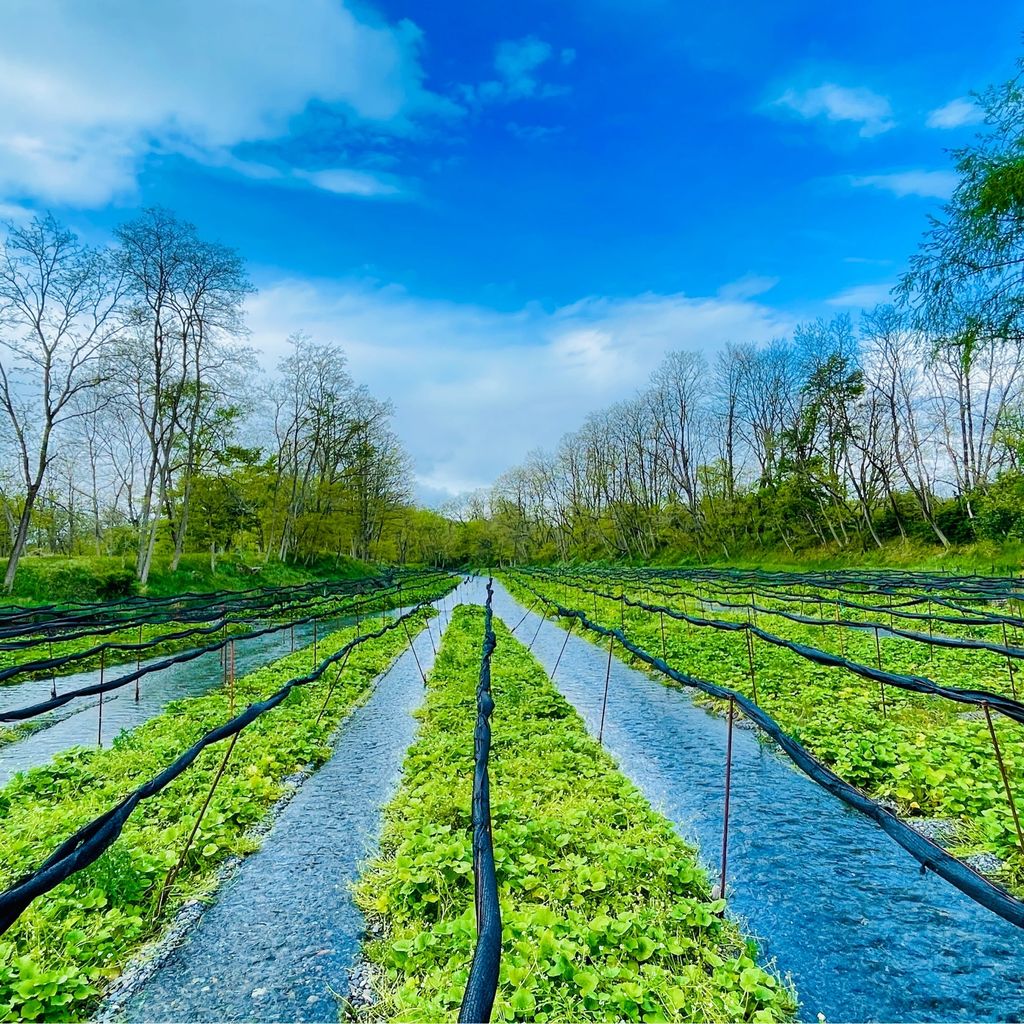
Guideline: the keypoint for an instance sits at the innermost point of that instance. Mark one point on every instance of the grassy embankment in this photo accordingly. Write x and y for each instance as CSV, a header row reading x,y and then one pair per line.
x,y
606,914
982,557
49,579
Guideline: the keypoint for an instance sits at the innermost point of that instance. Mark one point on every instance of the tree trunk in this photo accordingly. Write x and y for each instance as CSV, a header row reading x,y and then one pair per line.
x,y
20,539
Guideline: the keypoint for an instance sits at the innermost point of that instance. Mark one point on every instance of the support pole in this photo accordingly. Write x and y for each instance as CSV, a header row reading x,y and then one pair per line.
x,y
99,726
173,873
334,682
138,665
728,795
412,647
537,633
881,685
604,701
1006,781
750,662
558,660
1009,665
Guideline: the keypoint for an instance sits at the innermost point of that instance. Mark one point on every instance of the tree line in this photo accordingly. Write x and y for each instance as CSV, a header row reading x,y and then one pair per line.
x,y
909,425
136,420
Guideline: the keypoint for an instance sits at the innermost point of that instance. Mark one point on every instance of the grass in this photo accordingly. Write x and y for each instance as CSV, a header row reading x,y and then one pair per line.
x,y
57,958
978,558
605,912
43,579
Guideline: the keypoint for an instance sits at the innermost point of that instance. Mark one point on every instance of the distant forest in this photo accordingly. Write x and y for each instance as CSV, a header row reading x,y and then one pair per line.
x,y
135,420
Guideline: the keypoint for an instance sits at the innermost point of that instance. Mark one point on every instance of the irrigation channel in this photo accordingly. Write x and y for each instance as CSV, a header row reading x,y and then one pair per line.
x,y
840,908
293,894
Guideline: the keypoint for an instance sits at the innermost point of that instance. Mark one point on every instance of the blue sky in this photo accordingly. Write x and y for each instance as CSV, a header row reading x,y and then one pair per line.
x,y
507,212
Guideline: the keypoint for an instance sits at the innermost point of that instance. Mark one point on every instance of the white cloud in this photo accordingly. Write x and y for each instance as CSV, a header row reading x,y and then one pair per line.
x,y
518,64
927,184
15,212
840,103
87,91
346,181
963,110
490,386
863,296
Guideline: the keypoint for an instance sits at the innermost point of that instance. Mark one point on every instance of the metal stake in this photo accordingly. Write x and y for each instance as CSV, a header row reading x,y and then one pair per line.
x,y
728,793
99,726
1006,781
604,702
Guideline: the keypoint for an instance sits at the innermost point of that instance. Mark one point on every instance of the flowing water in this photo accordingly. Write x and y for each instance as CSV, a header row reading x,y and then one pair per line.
x,y
833,902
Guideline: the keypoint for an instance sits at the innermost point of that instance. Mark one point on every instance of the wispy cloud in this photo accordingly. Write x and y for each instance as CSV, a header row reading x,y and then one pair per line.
x,y
533,132
862,296
747,287
352,182
961,111
860,106
519,65
15,212
927,184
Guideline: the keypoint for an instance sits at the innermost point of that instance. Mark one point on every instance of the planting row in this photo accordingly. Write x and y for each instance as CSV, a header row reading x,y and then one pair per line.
x,y
83,649
605,911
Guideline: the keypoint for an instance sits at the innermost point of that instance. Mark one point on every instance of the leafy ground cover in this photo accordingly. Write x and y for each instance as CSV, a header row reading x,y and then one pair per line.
x,y
605,912
927,756
55,961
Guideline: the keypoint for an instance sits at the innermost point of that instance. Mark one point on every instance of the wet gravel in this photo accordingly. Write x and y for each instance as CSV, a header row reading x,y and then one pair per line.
x,y
283,936
838,905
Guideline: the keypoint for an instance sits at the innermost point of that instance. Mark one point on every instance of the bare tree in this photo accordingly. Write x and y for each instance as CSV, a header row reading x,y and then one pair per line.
x,y
59,302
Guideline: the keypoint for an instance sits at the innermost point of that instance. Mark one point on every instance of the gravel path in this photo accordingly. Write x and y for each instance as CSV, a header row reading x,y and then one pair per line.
x,y
280,940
